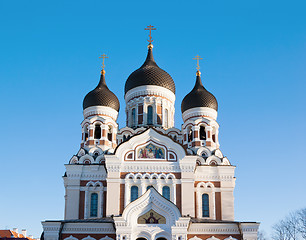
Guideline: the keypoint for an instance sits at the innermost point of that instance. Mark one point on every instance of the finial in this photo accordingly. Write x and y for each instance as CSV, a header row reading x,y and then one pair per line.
x,y
198,66
103,65
150,28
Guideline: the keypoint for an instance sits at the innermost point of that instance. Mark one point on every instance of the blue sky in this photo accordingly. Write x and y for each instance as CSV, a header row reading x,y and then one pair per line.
x,y
254,63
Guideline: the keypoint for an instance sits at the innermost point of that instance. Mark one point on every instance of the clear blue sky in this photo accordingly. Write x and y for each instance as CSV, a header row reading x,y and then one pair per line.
x,y
254,63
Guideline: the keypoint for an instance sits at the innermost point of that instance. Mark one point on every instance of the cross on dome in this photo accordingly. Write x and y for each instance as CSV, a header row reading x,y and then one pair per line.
x,y
103,56
150,28
198,58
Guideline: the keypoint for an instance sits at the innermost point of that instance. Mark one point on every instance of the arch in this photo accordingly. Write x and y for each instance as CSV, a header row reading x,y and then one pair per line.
x,y
86,159
150,115
170,176
162,176
88,238
230,238
71,238
215,159
130,176
106,238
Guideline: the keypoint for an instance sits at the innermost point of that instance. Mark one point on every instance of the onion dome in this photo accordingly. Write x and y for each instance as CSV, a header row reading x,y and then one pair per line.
x,y
199,97
149,74
101,96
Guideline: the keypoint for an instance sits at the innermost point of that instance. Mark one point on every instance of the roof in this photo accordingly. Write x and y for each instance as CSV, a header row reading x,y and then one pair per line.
x,y
101,96
199,97
149,74
9,234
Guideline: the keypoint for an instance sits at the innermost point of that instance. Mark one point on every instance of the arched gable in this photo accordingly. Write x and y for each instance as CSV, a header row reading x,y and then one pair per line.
x,y
151,200
155,145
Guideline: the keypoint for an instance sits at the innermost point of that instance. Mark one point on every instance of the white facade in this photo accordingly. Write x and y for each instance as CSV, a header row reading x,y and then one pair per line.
x,y
149,180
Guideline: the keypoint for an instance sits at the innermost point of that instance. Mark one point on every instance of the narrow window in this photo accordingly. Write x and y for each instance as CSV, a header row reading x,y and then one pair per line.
x,y
124,138
134,193
214,138
86,134
150,115
94,205
189,134
97,131
166,192
110,133
133,116
205,205
166,118
202,133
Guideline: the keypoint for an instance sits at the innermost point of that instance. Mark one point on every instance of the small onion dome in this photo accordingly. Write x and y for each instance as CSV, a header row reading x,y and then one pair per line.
x,y
149,74
101,96
199,97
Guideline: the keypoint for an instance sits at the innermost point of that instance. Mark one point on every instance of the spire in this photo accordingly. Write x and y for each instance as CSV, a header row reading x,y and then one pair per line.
x,y
150,59
102,82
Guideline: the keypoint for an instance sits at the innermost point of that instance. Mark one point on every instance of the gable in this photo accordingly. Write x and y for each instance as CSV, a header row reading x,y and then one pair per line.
x,y
150,146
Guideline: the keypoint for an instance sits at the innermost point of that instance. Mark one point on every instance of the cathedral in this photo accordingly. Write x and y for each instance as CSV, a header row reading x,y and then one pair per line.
x,y
149,180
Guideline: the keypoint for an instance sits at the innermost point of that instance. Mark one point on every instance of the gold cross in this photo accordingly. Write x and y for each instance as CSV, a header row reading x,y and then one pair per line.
x,y
198,58
150,36
103,56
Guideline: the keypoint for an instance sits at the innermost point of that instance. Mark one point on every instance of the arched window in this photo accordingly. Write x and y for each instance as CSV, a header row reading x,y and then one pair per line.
x,y
166,118
110,133
150,115
124,138
205,205
189,132
134,193
133,116
166,192
86,133
97,131
202,133
94,205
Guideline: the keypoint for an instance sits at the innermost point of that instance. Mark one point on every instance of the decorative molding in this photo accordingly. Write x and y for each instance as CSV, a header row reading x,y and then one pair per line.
x,y
200,111
100,110
148,90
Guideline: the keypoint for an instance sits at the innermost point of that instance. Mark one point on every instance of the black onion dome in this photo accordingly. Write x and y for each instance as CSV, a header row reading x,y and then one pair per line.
x,y
199,97
101,96
149,74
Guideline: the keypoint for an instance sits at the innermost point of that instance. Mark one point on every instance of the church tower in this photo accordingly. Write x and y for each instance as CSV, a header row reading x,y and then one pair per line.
x,y
149,180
